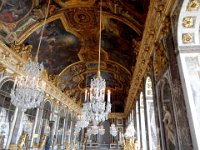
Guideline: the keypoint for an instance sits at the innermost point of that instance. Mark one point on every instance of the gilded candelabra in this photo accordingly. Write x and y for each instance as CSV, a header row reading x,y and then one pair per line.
x,y
22,141
42,142
129,144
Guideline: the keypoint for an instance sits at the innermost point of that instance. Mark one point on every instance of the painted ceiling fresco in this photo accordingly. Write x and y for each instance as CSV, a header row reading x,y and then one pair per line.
x,y
69,48
14,10
117,41
58,48
137,8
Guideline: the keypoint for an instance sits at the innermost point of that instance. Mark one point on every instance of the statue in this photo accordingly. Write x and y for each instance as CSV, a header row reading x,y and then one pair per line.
x,y
85,143
42,142
67,146
168,125
21,142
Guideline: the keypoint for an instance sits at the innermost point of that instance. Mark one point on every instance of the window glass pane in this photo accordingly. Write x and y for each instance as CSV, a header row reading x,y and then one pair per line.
x,y
7,86
143,125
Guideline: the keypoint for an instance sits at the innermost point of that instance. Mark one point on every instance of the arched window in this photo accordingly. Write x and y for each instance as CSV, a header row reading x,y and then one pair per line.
x,y
6,112
153,138
143,124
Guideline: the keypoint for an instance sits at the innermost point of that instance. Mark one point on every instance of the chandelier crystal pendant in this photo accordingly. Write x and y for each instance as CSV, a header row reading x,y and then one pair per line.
x,y
28,89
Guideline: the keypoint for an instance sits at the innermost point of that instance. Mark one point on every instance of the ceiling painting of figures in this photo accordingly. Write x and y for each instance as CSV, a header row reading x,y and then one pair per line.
x,y
14,10
117,41
59,48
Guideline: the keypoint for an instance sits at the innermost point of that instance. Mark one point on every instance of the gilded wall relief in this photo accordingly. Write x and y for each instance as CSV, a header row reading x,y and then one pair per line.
x,y
59,48
160,60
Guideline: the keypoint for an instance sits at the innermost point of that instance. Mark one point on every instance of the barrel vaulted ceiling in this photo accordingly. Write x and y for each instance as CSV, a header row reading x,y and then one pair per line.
x,y
69,48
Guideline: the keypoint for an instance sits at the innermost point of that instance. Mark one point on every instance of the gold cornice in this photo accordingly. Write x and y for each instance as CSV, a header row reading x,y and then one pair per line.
x,y
116,116
13,62
152,32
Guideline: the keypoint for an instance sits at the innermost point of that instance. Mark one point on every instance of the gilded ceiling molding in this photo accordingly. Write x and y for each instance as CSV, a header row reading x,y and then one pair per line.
x,y
147,45
116,115
133,23
60,16
75,3
14,63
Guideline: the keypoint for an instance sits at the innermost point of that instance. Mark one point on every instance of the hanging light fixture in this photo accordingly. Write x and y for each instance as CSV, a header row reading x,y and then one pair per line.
x,y
130,131
113,129
98,109
82,120
28,89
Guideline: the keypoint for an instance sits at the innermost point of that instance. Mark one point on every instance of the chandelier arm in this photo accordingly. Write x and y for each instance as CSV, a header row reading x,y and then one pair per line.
x,y
98,73
42,31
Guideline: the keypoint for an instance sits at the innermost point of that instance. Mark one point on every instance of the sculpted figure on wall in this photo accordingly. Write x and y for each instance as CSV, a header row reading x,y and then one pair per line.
x,y
167,119
22,141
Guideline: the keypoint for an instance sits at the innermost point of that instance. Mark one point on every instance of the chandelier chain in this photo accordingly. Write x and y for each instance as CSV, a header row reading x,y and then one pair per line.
x,y
42,31
100,14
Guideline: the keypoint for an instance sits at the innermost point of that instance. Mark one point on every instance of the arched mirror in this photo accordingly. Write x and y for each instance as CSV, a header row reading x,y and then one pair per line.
x,y
6,112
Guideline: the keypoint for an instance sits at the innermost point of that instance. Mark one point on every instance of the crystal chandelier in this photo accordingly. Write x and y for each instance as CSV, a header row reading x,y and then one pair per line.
x,y
113,130
101,130
130,131
98,109
29,88
94,129
83,120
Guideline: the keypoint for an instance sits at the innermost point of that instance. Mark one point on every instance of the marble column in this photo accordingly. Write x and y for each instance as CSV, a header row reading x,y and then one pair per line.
x,y
16,132
183,130
12,128
34,126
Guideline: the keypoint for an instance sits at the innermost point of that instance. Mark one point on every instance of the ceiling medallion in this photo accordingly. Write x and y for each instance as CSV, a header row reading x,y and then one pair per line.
x,y
188,22
28,89
193,5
